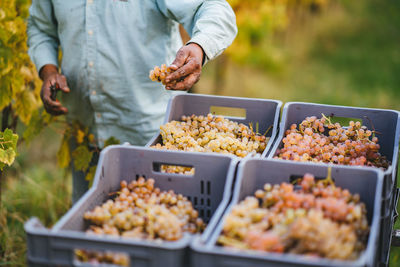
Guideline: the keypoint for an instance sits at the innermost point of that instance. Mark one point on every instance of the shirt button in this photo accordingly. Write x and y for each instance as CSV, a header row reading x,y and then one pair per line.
x,y
93,92
90,32
91,63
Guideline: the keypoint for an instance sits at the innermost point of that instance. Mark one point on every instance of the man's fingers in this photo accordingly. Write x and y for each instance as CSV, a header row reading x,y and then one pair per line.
x,y
190,67
56,112
186,84
55,109
51,106
180,59
62,83
46,95
173,67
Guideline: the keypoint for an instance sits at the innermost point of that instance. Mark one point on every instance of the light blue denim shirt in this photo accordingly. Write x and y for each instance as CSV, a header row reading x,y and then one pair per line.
x,y
108,48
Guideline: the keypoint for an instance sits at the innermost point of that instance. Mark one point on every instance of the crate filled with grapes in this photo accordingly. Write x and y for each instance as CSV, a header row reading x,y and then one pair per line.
x,y
296,214
350,136
228,125
347,136
136,214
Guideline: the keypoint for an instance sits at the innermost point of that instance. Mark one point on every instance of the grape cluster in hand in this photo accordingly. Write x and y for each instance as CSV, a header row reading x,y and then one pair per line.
x,y
211,134
159,74
311,218
143,211
319,140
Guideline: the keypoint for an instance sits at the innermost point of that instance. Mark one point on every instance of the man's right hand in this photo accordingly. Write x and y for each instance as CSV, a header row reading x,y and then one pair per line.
x,y
50,76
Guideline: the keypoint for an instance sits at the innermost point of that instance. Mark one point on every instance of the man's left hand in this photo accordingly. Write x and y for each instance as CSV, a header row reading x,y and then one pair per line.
x,y
186,68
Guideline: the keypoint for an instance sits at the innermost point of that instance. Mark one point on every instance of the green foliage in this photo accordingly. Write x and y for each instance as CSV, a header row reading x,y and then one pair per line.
x,y
37,191
83,151
19,85
259,21
64,154
111,141
8,148
82,157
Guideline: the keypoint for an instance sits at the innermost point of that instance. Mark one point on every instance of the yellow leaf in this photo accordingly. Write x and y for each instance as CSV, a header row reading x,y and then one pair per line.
x,y
90,175
25,105
7,156
63,154
80,135
91,138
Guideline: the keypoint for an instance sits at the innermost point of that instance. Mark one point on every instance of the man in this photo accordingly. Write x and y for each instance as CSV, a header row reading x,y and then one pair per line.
x,y
108,48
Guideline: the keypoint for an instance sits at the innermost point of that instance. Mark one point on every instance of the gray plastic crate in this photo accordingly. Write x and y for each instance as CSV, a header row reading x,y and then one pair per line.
x,y
252,174
385,122
209,189
265,112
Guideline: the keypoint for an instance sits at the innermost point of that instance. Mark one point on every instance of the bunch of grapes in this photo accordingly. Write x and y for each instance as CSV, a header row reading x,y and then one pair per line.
x,y
211,134
319,140
177,169
143,211
309,218
108,257
159,74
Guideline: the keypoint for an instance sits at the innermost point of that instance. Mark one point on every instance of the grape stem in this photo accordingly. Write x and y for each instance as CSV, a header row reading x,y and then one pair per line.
x,y
328,119
266,132
4,142
328,179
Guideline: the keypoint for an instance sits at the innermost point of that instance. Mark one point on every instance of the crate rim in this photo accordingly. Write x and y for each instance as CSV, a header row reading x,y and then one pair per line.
x,y
282,122
339,106
34,227
57,231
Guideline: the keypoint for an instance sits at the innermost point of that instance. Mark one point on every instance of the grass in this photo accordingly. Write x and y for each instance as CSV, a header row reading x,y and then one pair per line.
x,y
34,186
348,55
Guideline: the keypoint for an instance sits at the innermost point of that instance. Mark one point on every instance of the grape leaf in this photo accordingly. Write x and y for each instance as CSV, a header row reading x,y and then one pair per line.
x,y
63,154
25,105
8,147
5,96
7,135
91,138
8,139
90,175
82,157
80,135
111,141
7,156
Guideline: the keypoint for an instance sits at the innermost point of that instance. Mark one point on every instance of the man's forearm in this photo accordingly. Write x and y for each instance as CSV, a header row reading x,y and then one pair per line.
x,y
211,23
214,27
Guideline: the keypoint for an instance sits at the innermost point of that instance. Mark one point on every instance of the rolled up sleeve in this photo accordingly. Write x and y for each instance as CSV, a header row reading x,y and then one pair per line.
x,y
210,23
43,39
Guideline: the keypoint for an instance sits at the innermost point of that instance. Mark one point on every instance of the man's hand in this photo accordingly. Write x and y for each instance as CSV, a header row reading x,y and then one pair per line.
x,y
186,68
50,76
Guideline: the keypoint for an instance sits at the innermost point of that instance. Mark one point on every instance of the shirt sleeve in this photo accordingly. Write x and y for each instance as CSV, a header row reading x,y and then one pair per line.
x,y
210,23
42,33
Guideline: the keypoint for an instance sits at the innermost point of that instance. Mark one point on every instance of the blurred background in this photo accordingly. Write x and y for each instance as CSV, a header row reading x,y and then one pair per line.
x,y
340,52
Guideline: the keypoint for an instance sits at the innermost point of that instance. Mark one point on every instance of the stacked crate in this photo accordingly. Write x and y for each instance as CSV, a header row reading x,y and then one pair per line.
x,y
215,178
